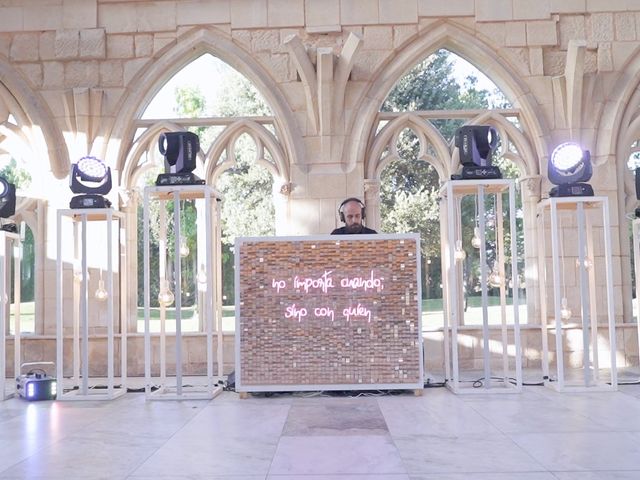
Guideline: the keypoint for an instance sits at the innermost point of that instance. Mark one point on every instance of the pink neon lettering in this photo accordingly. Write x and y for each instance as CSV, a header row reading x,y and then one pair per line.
x,y
325,282
324,312
278,284
358,311
293,312
363,283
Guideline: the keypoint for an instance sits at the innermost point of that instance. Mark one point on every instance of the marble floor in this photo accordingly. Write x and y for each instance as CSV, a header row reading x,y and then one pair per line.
x,y
536,435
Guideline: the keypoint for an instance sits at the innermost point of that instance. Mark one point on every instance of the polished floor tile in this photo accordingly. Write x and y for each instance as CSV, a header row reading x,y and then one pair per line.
x,y
539,434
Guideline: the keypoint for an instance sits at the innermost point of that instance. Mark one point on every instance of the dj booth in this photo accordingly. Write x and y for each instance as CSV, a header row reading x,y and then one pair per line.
x,y
328,313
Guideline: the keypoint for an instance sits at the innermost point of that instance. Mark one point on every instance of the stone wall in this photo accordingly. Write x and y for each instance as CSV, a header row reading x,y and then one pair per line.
x,y
76,75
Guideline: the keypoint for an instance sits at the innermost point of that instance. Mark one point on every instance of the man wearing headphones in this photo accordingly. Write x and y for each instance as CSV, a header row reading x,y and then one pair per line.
x,y
352,214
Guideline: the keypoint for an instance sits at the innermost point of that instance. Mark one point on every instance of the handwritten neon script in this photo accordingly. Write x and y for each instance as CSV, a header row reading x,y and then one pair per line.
x,y
349,313
325,282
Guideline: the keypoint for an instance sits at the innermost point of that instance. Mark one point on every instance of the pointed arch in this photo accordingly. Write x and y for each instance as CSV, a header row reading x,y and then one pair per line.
x,y
196,42
457,40
34,118
262,138
387,139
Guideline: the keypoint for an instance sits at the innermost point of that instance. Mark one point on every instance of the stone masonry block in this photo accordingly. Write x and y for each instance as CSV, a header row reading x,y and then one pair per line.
x,y
571,27
495,31
67,44
111,73
81,74
536,64
157,16
161,40
450,8
322,12
117,18
143,45
120,46
609,6
542,33
11,19
5,44
24,47
402,33
42,17
515,34
33,73
92,43
528,10
47,45
79,14
131,68
285,13
199,12
554,63
248,14
568,6
358,12
53,75
242,37
600,27
377,37
605,58
265,41
625,25
398,11
493,10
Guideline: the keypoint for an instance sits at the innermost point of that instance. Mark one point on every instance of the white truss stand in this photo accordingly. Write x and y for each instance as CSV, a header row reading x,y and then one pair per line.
x,y
509,378
174,388
635,224
9,245
593,377
80,381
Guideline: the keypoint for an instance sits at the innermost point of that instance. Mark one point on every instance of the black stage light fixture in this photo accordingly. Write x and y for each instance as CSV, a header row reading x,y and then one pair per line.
x,y
180,151
476,144
569,169
637,184
7,204
91,178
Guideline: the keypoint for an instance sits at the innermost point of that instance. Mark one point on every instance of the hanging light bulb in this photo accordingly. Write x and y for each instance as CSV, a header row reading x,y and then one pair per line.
x,y
165,297
587,263
475,241
459,253
491,220
495,279
184,248
202,279
565,311
101,293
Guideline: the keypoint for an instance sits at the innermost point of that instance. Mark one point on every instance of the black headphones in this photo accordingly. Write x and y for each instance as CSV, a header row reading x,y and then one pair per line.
x,y
351,199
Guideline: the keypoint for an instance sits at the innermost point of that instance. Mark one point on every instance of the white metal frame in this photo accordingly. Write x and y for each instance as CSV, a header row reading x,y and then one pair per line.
x,y
635,228
9,243
177,390
509,379
591,372
81,389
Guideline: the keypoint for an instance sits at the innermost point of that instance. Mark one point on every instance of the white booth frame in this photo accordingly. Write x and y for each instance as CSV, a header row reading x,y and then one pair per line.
x,y
10,244
159,387
510,379
591,378
81,389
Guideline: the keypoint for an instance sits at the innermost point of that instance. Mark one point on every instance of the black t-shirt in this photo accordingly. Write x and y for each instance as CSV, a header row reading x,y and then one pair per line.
x,y
343,231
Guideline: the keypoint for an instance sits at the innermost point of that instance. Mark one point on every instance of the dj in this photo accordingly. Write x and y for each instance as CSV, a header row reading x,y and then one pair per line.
x,y
352,214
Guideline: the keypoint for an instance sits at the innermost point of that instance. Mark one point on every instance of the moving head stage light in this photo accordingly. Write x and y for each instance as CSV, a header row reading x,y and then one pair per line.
x,y
7,204
180,150
92,179
568,169
476,143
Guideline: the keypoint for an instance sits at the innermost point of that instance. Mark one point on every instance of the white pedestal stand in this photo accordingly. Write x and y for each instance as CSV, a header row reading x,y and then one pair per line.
x,y
9,242
81,390
509,378
592,376
176,389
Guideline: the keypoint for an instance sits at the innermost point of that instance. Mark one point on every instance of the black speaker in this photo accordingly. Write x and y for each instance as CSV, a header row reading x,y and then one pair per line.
x,y
344,202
